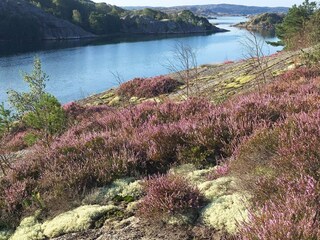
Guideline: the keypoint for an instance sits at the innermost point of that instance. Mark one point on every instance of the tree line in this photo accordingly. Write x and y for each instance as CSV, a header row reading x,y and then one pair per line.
x,y
300,27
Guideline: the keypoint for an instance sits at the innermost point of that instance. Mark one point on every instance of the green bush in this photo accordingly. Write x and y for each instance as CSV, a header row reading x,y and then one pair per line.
x,y
312,58
36,108
6,119
47,116
30,139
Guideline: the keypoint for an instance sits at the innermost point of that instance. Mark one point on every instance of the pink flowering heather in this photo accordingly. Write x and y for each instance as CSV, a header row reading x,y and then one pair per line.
x,y
221,170
148,87
167,195
292,215
104,143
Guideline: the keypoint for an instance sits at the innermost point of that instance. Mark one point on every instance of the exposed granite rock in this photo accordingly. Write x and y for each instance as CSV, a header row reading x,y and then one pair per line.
x,y
265,21
48,26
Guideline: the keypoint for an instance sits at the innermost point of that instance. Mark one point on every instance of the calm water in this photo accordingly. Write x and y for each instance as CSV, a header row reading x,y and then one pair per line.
x,y
79,69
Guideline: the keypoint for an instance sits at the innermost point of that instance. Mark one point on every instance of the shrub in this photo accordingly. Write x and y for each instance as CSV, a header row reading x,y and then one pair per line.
x,y
293,215
252,164
38,109
220,170
312,58
148,87
47,116
31,138
23,102
168,195
6,119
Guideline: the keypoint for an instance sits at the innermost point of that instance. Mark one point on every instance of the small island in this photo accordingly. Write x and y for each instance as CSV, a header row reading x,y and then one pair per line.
x,y
265,21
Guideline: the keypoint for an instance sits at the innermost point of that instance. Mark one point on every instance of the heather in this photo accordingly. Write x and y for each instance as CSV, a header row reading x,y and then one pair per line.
x,y
167,196
269,138
294,215
148,87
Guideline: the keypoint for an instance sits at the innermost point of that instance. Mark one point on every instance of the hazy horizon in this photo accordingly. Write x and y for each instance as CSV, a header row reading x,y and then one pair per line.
x,y
168,3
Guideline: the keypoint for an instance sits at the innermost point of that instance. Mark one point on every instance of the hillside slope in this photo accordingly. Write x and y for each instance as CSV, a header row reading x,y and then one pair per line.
x,y
98,175
23,21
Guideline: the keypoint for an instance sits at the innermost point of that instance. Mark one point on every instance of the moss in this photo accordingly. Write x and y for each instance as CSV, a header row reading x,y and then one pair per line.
x,y
244,79
126,189
233,85
29,229
225,212
79,219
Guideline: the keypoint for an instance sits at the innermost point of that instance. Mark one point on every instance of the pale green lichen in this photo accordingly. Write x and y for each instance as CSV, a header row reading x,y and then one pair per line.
x,y
291,67
132,207
79,219
190,172
233,85
155,99
108,95
133,99
277,72
225,212
5,235
244,79
29,229
183,169
115,101
227,205
125,187
181,219
218,187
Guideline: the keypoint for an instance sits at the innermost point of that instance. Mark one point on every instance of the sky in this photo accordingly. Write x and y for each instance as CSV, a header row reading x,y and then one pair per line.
x,y
166,3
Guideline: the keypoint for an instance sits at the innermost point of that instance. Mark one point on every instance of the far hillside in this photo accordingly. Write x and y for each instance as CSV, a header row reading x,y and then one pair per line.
x,y
221,9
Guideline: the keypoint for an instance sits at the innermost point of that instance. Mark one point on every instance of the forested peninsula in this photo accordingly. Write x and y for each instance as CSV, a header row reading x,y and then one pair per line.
x,y
36,20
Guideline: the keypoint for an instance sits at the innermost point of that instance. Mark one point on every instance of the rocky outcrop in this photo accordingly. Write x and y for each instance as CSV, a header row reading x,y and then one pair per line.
x,y
213,10
265,21
140,24
45,26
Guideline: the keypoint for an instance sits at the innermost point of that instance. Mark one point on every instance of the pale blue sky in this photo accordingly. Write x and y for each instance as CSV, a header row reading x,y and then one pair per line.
x,y
272,3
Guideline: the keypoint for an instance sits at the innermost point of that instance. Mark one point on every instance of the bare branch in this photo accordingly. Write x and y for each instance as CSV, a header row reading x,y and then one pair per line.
x,y
184,64
254,53
117,77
